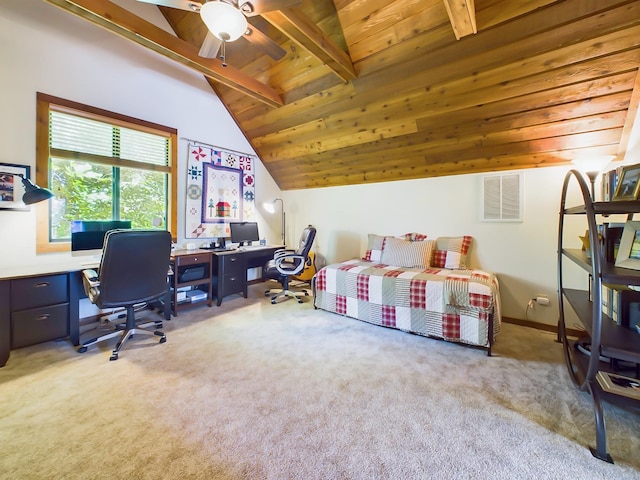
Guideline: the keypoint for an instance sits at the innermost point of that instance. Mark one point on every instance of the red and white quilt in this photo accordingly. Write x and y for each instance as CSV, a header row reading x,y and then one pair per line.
x,y
454,305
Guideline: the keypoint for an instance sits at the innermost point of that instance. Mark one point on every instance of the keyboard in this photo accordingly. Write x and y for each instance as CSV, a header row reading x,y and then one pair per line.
x,y
92,262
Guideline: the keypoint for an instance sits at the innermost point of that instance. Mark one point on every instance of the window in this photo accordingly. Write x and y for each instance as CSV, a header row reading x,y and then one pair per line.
x,y
101,166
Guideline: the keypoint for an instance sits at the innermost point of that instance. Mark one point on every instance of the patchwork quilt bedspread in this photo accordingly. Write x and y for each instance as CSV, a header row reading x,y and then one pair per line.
x,y
454,305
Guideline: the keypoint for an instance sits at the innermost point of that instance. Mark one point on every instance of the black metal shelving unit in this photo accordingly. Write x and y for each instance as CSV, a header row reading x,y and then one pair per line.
x,y
606,338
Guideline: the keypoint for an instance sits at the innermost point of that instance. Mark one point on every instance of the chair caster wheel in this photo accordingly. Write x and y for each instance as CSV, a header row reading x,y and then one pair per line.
x,y
158,333
273,301
163,340
113,357
82,349
299,300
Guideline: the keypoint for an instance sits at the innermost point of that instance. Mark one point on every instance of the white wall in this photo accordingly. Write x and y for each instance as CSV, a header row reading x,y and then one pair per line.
x,y
522,254
44,49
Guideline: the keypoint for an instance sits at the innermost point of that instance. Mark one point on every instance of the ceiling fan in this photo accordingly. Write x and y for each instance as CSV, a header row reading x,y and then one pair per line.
x,y
226,22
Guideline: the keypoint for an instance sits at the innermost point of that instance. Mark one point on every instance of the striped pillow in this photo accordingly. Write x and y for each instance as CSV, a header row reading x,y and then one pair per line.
x,y
403,253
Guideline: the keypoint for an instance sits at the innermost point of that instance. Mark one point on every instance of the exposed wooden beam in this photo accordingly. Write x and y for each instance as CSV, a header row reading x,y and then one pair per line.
x,y
124,23
462,14
306,34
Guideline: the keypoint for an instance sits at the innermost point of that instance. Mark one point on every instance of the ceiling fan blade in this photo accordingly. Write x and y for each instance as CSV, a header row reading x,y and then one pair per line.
x,y
181,4
256,7
271,48
210,46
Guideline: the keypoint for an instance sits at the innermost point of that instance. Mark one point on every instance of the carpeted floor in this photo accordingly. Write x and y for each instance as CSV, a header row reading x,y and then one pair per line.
x,y
251,390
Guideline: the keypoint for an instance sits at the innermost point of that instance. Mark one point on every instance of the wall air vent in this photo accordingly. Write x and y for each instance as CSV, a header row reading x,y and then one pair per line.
x,y
502,197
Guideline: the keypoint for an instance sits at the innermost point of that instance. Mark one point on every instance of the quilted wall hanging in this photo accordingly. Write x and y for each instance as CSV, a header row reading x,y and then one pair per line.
x,y
220,190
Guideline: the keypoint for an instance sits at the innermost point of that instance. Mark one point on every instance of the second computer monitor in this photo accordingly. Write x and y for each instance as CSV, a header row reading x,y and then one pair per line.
x,y
89,235
244,233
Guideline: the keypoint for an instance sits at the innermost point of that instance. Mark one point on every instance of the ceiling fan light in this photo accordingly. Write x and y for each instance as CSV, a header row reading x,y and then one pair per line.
x,y
223,20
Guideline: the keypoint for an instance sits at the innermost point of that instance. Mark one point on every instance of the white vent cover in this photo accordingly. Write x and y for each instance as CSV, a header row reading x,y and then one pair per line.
x,y
502,197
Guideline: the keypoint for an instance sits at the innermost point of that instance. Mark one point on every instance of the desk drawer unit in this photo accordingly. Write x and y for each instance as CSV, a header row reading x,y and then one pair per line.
x,y
231,275
194,259
39,309
38,291
39,325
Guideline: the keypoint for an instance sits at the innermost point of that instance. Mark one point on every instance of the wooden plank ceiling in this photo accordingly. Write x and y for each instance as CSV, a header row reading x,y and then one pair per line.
x,y
381,90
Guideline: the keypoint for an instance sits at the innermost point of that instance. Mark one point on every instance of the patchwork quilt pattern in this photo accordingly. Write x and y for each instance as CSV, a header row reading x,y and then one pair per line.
x,y
454,305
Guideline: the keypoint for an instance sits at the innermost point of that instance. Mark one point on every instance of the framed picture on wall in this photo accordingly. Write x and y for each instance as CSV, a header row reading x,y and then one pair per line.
x,y
11,188
628,185
629,251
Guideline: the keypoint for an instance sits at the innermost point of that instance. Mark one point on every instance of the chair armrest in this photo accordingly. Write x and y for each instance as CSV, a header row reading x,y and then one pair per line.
x,y
281,253
91,277
290,264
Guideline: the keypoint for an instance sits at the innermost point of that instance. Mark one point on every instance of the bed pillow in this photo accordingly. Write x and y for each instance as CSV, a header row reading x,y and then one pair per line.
x,y
415,237
374,248
451,252
403,253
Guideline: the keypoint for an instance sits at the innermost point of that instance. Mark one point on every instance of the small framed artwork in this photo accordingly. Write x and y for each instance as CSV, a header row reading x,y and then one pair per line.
x,y
11,188
629,251
628,185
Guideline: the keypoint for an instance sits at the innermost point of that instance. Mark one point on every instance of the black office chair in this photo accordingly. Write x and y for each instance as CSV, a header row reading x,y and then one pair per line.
x,y
133,271
288,263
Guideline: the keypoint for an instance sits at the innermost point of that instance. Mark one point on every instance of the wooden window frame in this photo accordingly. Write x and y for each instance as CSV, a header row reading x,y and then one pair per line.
x,y
44,104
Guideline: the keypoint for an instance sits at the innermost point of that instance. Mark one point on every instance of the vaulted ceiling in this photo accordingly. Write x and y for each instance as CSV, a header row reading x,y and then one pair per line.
x,y
380,90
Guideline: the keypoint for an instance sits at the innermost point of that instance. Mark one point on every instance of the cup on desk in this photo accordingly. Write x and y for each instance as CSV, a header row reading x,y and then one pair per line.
x,y
190,246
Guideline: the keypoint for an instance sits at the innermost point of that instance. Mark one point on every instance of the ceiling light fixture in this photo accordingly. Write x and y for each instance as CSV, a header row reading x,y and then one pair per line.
x,y
225,21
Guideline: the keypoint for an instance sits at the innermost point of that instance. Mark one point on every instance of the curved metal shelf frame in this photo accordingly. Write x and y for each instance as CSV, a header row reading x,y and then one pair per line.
x,y
589,382
596,275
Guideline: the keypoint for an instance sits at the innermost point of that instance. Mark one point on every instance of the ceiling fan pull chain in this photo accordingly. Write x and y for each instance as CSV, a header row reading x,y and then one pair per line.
x,y
223,54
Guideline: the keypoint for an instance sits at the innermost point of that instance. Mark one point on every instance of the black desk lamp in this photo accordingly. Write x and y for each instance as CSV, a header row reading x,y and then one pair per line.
x,y
32,193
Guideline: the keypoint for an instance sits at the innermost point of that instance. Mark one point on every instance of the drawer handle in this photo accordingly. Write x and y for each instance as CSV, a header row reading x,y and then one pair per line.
x,y
233,259
44,316
41,284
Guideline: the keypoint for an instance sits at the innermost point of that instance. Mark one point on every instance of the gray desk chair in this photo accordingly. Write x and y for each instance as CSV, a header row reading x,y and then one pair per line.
x,y
289,263
133,271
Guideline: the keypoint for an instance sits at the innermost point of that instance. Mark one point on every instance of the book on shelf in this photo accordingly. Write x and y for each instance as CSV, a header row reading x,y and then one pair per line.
x,y
609,183
606,293
621,304
619,384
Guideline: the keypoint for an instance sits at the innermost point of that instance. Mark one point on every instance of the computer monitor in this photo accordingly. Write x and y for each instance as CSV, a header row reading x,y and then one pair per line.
x,y
244,233
87,236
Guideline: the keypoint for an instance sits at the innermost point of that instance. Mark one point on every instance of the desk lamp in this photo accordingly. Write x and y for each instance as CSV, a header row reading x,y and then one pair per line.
x,y
32,193
591,166
271,208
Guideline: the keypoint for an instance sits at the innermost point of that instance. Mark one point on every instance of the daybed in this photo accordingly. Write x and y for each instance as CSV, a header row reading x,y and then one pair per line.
x,y
416,285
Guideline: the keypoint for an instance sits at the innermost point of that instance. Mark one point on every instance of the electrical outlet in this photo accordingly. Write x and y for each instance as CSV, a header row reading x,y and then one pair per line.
x,y
543,300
